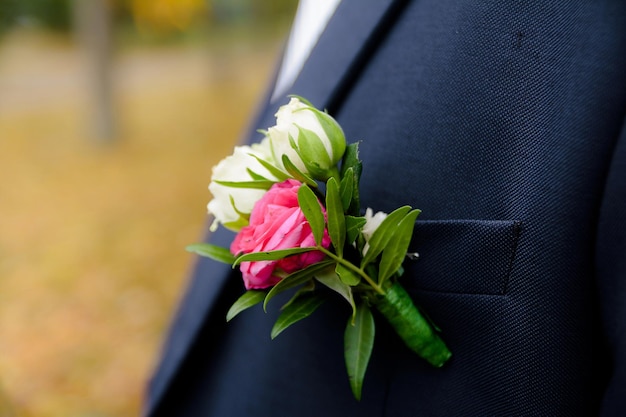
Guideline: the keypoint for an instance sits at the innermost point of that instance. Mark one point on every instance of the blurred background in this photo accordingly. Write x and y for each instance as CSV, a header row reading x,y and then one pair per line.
x,y
112,114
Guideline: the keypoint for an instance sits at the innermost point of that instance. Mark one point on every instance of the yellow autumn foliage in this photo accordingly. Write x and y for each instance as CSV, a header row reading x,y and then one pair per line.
x,y
166,15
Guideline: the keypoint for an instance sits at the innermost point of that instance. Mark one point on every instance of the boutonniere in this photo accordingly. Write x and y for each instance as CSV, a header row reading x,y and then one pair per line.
x,y
293,200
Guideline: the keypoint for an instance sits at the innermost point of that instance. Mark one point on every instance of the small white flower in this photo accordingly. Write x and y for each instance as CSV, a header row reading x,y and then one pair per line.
x,y
318,139
231,206
372,221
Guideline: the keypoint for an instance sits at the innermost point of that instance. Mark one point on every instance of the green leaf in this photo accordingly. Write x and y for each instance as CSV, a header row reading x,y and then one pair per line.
x,y
294,146
307,288
358,345
353,228
275,171
236,225
271,255
333,130
217,253
351,160
383,234
255,176
298,309
245,216
296,173
295,279
394,253
332,281
313,153
310,206
336,219
249,299
347,276
346,188
254,184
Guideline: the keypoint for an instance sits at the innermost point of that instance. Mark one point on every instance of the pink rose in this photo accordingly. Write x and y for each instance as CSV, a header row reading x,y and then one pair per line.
x,y
276,222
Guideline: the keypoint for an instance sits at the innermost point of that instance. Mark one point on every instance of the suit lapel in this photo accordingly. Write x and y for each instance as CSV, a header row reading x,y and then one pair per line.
x,y
349,39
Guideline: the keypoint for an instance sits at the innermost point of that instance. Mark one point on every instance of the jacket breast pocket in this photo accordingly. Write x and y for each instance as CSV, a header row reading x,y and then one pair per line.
x,y
462,256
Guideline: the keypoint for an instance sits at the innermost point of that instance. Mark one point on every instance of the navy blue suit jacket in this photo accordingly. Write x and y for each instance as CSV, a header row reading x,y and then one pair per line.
x,y
503,121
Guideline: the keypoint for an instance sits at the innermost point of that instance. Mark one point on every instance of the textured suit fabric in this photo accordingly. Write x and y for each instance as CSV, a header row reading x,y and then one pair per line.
x,y
504,122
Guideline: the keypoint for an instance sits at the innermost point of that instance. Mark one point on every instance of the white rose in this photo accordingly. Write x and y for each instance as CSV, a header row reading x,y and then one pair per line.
x,y
372,221
231,206
312,140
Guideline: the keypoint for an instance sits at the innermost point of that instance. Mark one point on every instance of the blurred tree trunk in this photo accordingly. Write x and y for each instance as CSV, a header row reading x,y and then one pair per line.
x,y
93,24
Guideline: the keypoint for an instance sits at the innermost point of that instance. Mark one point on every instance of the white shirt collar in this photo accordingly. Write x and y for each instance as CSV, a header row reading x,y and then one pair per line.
x,y
311,19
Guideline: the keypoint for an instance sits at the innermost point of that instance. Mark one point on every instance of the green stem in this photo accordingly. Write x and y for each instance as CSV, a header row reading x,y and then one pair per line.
x,y
354,268
334,172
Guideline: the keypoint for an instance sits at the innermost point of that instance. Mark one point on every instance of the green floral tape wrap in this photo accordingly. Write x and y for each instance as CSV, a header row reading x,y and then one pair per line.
x,y
413,328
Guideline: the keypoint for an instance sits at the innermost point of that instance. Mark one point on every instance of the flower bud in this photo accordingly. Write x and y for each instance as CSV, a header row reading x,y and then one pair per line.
x,y
311,139
232,203
372,222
